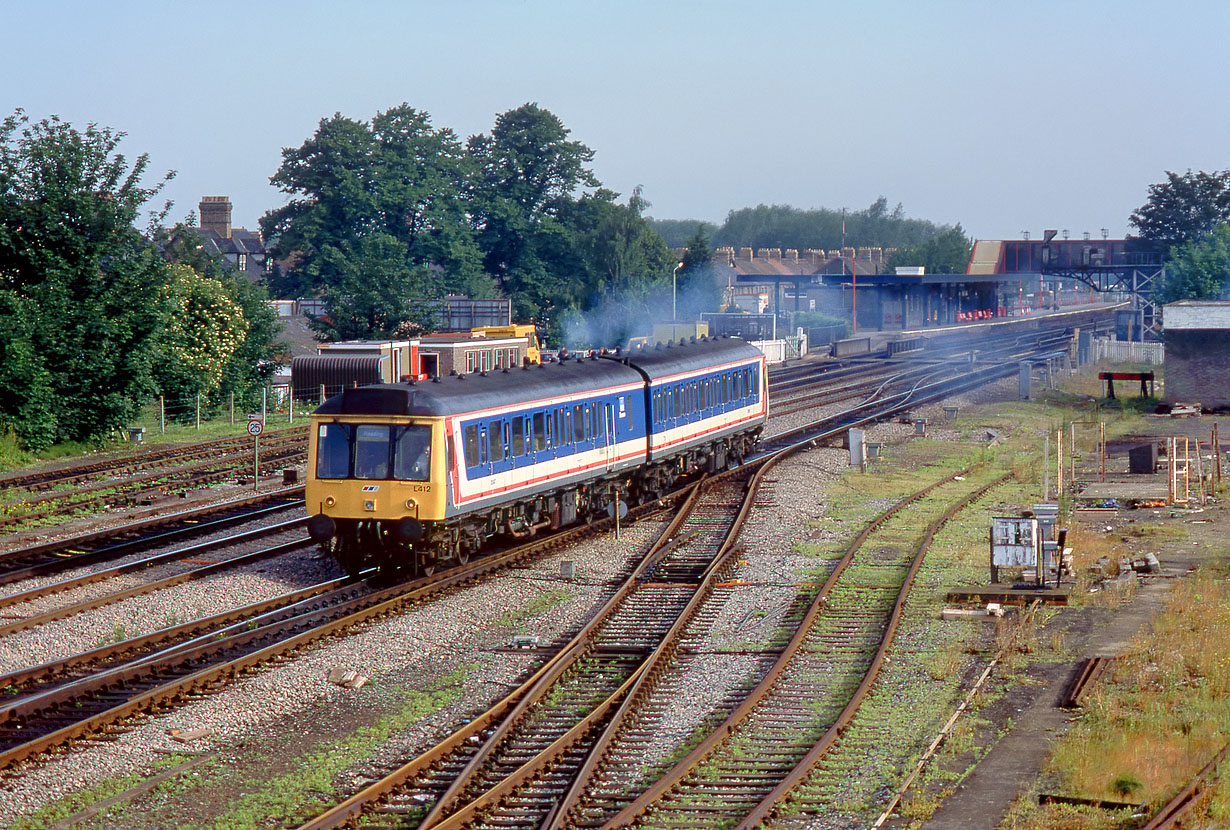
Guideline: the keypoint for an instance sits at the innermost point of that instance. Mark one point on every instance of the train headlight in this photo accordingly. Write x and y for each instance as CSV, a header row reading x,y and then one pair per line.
x,y
369,504
411,504
330,501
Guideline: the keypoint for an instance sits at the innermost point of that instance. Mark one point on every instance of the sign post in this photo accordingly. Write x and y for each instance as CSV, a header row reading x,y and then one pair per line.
x,y
256,425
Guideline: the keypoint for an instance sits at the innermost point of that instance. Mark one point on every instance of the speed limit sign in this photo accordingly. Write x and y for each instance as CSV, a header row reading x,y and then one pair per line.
x,y
255,428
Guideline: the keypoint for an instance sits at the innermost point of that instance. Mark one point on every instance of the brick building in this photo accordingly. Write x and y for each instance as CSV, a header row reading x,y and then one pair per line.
x,y
1198,353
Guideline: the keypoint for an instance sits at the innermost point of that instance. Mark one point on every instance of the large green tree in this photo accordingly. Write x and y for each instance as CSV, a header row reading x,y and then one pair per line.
x,y
621,270
363,187
783,226
527,173
1184,207
79,286
1198,269
947,252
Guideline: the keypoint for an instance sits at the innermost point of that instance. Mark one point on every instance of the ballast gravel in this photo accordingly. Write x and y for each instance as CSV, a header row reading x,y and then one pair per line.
x,y
466,627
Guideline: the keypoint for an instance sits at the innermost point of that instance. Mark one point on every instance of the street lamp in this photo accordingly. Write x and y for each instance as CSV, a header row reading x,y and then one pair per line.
x,y
675,292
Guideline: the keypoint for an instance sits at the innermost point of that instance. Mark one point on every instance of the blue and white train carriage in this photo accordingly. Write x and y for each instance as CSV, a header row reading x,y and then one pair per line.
x,y
417,473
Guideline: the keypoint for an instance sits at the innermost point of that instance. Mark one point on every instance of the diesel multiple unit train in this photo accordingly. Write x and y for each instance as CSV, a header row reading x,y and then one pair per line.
x,y
410,475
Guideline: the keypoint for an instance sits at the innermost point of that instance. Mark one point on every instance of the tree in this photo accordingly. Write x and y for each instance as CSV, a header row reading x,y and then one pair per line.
x,y
783,226
676,232
378,293
80,286
254,360
1199,269
621,270
1184,208
395,179
203,331
946,253
698,287
525,174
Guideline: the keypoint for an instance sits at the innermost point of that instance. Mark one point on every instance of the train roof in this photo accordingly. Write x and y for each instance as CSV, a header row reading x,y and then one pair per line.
x,y
665,360
459,394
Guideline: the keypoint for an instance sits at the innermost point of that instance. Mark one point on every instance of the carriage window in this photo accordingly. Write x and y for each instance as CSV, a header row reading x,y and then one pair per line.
x,y
518,435
756,380
738,385
371,451
578,423
540,432
495,431
483,455
333,451
470,445
411,453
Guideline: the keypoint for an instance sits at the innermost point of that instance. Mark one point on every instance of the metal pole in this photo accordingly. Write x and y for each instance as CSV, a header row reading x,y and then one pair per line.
x,y
256,462
198,410
675,295
232,407
264,404
162,413
854,291
1046,469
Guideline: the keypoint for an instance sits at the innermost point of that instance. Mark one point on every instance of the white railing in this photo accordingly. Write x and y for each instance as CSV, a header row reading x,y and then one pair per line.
x,y
1126,351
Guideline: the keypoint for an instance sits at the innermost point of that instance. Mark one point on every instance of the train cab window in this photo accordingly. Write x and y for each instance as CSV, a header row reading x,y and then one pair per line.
x,y
371,451
518,436
412,453
540,432
469,445
333,451
578,423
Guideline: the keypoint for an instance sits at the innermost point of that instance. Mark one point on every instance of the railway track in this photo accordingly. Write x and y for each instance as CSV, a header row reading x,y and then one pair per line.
x,y
471,799
94,549
205,655
800,708
224,462
541,728
144,459
529,770
201,568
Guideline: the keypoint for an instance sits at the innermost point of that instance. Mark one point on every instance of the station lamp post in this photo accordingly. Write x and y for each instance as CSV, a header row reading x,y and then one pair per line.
x,y
675,293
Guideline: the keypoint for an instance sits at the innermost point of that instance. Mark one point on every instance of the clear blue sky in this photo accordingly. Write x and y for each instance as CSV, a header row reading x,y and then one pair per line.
x,y
1000,116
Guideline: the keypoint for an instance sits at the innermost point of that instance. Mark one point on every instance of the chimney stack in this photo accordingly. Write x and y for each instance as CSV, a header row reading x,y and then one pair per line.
x,y
216,215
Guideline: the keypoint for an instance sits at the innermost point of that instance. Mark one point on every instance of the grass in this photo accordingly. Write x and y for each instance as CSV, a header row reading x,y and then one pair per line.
x,y
514,617
1157,719
257,796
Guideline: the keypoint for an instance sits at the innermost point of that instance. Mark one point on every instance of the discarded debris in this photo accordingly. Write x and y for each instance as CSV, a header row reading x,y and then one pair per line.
x,y
347,678
189,735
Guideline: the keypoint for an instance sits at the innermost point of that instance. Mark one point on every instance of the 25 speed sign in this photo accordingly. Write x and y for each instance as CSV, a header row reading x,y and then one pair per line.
x,y
255,428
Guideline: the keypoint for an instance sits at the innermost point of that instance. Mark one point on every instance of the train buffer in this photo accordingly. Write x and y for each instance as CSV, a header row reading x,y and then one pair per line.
x,y
1145,378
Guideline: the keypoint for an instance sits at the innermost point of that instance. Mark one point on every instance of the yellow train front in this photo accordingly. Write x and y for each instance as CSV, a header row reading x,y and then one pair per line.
x,y
413,474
